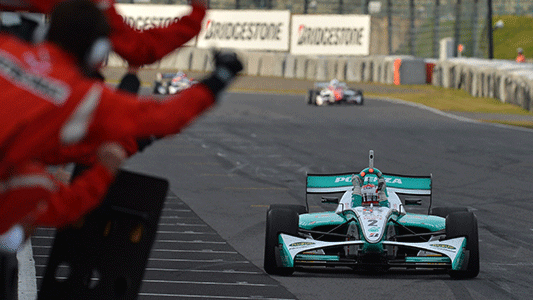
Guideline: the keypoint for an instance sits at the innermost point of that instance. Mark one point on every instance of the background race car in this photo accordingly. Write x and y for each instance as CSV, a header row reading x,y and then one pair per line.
x,y
172,83
334,92
370,228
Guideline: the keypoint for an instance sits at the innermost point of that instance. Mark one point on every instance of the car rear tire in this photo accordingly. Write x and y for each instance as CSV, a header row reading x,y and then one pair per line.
x,y
278,220
464,224
360,93
156,88
444,211
311,97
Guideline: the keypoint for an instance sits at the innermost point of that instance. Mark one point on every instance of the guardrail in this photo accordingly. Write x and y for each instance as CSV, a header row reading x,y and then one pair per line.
x,y
508,81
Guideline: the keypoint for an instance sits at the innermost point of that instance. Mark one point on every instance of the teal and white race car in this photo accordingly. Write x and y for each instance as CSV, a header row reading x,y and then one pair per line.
x,y
371,228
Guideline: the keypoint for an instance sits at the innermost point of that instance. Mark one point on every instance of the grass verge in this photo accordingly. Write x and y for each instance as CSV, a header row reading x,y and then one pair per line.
x,y
453,100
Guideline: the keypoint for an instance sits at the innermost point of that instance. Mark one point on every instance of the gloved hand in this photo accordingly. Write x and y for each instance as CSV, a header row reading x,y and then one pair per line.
x,y
111,156
227,66
229,61
357,184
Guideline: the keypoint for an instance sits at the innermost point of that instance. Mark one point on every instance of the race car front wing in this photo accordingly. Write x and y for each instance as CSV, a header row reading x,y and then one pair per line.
x,y
444,254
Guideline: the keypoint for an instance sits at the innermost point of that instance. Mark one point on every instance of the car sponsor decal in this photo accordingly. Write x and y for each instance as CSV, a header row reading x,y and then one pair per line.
x,y
444,246
50,89
420,185
301,244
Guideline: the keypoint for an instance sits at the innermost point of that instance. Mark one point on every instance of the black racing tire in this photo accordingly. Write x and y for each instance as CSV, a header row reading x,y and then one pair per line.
x,y
444,211
362,97
300,209
278,220
311,97
156,88
464,224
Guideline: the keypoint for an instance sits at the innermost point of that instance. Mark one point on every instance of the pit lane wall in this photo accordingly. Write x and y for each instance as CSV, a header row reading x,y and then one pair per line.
x,y
349,60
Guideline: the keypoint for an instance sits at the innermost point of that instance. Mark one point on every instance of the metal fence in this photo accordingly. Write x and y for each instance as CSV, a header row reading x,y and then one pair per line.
x,y
412,27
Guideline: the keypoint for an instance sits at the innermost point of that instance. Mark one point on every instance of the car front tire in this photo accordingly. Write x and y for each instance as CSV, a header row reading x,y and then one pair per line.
x,y
278,220
464,224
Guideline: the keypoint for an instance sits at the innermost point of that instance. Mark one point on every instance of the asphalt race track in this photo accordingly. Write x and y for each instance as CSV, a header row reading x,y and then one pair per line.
x,y
255,150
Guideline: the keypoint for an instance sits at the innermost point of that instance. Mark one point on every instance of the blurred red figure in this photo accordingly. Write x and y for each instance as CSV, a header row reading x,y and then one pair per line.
x,y
137,47
52,113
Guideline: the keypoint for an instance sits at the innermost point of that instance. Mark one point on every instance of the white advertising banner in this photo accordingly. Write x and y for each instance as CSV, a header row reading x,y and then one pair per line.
x,y
246,30
147,16
330,34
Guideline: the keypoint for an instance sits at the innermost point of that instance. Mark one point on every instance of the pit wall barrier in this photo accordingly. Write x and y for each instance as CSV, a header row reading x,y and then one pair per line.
x,y
379,68
508,81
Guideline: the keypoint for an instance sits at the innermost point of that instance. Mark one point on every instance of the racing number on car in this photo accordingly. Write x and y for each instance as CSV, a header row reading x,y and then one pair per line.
x,y
372,222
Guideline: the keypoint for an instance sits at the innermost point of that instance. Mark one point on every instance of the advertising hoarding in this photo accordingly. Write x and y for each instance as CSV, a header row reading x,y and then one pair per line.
x,y
330,35
246,30
143,17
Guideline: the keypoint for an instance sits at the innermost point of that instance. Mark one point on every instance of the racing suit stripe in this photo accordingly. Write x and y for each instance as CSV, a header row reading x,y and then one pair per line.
x,y
29,181
75,129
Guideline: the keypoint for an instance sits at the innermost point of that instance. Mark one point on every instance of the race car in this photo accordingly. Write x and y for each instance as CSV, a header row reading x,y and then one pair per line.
x,y
172,83
334,92
370,229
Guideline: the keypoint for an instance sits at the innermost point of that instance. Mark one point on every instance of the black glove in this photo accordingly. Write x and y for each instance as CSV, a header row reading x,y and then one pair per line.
x,y
227,65
130,83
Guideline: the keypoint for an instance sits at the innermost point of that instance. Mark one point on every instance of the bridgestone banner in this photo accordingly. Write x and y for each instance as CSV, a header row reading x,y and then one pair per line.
x,y
143,16
330,34
246,30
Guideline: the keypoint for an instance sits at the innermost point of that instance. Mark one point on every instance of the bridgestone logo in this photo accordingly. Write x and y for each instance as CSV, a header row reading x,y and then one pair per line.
x,y
145,23
243,31
40,86
330,36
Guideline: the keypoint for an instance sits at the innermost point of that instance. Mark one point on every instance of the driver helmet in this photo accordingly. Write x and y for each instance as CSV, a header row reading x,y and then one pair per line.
x,y
369,193
334,82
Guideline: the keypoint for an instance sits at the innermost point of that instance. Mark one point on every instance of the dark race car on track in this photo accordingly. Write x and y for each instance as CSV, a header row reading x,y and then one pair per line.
x,y
334,92
371,228
172,83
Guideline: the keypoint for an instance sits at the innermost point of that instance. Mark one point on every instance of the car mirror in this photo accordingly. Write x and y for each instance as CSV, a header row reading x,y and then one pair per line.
x,y
413,201
333,200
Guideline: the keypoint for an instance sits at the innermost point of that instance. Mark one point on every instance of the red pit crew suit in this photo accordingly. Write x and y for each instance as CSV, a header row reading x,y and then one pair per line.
x,y
46,201
51,113
137,47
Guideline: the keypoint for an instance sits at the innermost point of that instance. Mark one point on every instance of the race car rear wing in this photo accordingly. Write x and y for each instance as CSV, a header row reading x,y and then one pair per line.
x,y
399,184
323,85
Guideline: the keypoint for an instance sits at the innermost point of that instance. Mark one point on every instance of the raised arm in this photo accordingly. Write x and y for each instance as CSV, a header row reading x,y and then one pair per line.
x,y
148,46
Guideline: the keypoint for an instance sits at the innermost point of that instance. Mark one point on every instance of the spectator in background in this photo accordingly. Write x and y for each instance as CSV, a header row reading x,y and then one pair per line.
x,y
52,113
520,58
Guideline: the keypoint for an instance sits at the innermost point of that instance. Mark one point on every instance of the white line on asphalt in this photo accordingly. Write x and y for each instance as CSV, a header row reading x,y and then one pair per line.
x,y
242,283
186,232
177,217
200,260
183,224
189,282
179,270
177,210
196,251
45,247
191,242
210,296
204,271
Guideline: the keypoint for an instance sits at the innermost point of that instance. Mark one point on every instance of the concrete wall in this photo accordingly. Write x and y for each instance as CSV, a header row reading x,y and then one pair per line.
x,y
505,80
